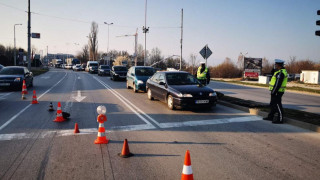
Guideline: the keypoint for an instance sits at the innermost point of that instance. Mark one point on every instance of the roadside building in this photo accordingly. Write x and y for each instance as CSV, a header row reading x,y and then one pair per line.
x,y
309,76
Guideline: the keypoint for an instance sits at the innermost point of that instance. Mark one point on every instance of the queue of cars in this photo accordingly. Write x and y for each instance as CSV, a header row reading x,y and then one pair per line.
x,y
175,88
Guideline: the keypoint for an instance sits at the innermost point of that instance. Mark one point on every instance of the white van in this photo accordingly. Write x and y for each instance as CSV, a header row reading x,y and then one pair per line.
x,y
92,67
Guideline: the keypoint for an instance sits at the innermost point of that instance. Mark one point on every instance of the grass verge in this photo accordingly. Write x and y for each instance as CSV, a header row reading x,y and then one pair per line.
x,y
294,88
37,72
289,113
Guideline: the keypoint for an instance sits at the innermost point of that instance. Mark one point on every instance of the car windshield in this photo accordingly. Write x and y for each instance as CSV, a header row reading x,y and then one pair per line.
x,y
181,79
95,65
120,68
105,67
144,72
12,71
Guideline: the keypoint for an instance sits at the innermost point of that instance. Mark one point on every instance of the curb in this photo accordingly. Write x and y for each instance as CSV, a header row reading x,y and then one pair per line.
x,y
255,111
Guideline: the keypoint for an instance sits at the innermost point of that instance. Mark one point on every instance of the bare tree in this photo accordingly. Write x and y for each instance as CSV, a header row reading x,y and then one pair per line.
x,y
193,62
266,66
93,42
119,60
84,55
155,57
240,61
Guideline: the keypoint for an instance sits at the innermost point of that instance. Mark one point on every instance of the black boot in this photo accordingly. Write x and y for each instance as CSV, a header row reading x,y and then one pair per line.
x,y
278,121
268,118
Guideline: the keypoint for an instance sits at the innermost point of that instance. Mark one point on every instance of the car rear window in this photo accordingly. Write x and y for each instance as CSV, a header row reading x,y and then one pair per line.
x,y
11,71
120,68
105,67
93,64
181,79
144,71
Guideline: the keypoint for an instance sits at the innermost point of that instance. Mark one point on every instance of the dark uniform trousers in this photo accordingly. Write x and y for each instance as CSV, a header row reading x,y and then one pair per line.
x,y
276,106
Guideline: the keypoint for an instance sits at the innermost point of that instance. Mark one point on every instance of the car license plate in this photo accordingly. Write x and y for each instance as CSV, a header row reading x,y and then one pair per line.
x,y
202,101
4,84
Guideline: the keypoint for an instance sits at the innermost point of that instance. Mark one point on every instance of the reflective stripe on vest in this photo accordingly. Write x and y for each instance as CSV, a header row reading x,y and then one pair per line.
x,y
202,75
274,79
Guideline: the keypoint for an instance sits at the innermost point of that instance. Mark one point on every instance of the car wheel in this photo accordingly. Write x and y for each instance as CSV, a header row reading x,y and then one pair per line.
x,y
170,102
135,88
149,93
128,87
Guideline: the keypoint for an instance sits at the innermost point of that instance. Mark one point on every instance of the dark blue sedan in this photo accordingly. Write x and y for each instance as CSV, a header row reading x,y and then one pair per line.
x,y
178,88
12,77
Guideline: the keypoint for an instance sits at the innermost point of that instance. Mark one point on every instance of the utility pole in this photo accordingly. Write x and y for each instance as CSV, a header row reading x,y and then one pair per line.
x,y
181,38
29,37
145,31
14,33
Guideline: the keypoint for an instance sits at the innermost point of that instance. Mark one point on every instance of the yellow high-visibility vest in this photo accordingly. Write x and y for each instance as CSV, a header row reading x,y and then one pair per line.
x,y
202,75
284,82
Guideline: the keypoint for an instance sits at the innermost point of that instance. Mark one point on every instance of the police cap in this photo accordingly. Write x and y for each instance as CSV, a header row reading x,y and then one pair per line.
x,y
279,61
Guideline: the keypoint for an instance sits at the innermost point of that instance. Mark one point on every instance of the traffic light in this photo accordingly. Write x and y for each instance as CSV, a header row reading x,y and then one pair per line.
x,y
318,23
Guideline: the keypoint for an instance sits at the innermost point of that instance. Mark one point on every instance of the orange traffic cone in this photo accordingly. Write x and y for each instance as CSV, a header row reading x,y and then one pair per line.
x,y
76,128
34,98
59,117
187,173
125,153
101,139
24,88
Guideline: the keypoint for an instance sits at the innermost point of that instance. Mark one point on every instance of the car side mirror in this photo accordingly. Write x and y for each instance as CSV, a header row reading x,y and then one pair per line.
x,y
132,74
162,83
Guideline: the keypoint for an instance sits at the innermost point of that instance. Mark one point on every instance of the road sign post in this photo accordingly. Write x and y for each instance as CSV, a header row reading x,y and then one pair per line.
x,y
206,52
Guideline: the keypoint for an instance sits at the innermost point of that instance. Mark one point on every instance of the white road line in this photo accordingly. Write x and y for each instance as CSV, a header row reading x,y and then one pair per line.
x,y
210,122
70,132
19,113
4,95
127,101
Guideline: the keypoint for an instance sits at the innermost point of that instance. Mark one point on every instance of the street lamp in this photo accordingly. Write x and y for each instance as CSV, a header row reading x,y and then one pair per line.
x,y
108,35
14,32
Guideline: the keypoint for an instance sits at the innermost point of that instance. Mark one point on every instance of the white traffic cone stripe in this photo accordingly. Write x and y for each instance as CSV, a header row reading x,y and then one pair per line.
x,y
101,134
59,115
101,125
187,170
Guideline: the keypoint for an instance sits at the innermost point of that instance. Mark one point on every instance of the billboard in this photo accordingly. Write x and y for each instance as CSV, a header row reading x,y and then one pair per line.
x,y
252,67
252,63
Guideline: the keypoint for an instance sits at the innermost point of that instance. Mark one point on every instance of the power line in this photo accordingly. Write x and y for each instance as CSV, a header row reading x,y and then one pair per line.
x,y
83,21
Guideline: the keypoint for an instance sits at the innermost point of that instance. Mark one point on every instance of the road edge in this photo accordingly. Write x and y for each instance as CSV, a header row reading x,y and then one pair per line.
x,y
255,111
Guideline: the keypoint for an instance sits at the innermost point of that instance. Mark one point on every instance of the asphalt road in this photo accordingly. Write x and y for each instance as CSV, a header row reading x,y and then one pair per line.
x,y
224,143
292,100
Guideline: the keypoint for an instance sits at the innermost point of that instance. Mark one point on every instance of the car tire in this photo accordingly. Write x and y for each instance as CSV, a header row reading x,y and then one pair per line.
x,y
128,87
149,93
134,88
170,102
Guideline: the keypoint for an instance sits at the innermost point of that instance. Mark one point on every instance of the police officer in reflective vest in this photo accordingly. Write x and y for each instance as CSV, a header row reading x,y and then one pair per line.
x,y
277,86
203,74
